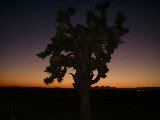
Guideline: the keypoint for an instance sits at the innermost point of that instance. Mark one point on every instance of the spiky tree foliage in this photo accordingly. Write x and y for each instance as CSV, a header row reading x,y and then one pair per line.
x,y
85,48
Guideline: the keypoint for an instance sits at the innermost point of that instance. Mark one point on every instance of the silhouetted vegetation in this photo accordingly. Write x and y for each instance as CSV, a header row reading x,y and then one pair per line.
x,y
85,48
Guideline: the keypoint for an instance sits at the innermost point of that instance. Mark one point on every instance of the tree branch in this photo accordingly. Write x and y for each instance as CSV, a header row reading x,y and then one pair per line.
x,y
96,79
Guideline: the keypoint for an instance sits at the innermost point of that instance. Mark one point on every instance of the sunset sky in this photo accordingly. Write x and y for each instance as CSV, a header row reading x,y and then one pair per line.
x,y
26,27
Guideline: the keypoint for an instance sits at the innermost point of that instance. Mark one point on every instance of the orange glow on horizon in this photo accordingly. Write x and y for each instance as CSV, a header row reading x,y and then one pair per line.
x,y
123,74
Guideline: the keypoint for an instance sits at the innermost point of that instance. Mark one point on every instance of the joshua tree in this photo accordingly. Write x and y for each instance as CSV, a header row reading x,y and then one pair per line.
x,y
85,48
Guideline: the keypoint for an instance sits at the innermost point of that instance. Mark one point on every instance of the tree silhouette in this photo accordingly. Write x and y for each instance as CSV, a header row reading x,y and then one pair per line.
x,y
85,48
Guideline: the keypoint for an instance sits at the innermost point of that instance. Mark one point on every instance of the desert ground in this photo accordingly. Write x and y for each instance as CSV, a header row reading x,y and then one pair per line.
x,y
63,104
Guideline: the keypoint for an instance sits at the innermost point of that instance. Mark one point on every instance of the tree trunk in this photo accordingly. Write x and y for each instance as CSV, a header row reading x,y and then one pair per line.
x,y
85,111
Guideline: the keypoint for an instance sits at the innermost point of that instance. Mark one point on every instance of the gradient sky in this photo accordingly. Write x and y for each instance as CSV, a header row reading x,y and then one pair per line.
x,y
27,25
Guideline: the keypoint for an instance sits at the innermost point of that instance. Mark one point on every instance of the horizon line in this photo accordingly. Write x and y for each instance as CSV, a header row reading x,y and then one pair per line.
x,y
95,87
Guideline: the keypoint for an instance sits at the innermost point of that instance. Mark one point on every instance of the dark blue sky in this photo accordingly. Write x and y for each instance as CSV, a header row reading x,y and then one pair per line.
x,y
27,25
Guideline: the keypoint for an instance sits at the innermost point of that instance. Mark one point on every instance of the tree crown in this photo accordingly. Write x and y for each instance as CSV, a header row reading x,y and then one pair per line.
x,y
84,48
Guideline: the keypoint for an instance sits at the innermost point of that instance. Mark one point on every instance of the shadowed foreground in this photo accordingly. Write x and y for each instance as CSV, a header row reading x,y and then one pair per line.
x,y
63,104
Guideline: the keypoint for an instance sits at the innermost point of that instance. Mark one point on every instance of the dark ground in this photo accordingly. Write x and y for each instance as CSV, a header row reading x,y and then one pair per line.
x,y
63,104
